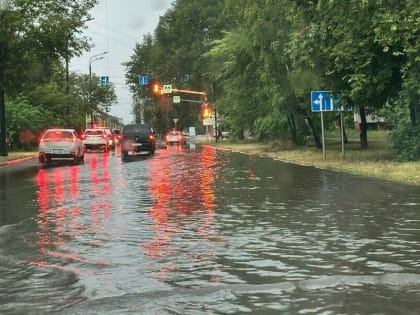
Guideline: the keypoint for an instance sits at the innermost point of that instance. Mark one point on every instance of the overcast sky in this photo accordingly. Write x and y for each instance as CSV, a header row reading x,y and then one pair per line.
x,y
117,26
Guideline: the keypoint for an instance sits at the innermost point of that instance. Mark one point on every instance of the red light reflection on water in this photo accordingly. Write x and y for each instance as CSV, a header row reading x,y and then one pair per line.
x,y
58,221
100,187
181,186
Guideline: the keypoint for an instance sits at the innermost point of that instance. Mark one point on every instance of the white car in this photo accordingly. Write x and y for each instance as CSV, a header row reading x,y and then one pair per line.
x,y
60,144
175,136
98,138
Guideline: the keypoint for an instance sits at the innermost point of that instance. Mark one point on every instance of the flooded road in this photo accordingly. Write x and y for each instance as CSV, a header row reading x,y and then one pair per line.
x,y
205,231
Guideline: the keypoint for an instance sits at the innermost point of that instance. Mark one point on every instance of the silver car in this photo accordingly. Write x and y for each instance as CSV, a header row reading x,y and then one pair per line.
x,y
60,144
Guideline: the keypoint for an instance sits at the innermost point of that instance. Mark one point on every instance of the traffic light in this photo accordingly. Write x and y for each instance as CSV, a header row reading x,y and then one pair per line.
x,y
205,110
156,88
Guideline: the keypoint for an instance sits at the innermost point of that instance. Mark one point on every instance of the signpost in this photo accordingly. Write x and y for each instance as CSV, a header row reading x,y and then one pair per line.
x,y
208,121
323,101
143,80
185,78
177,99
342,108
167,89
104,80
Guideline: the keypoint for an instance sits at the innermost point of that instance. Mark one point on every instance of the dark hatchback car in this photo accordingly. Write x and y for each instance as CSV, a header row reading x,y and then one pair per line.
x,y
137,140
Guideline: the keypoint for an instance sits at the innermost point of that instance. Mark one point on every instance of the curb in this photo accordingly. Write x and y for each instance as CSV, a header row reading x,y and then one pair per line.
x,y
16,161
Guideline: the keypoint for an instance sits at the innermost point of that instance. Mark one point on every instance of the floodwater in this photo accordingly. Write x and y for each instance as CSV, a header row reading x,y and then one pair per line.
x,y
205,231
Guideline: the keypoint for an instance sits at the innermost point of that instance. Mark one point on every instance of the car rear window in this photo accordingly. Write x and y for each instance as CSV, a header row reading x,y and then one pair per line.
x,y
94,132
58,135
136,129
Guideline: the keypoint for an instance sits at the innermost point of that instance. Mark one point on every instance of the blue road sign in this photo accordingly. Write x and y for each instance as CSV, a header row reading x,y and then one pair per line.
x,y
104,80
323,100
143,80
185,78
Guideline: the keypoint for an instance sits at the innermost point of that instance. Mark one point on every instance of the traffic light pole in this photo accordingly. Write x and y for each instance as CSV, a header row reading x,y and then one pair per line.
x,y
156,89
191,92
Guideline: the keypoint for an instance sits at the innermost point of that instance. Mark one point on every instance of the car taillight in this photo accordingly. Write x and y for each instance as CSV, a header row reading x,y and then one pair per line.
x,y
41,140
151,137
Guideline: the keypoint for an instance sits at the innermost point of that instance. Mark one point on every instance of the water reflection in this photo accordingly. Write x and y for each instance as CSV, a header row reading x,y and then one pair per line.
x,y
60,219
182,185
100,190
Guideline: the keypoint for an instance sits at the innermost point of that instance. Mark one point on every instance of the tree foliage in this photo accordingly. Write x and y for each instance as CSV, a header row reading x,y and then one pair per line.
x,y
260,59
173,53
25,122
35,35
37,39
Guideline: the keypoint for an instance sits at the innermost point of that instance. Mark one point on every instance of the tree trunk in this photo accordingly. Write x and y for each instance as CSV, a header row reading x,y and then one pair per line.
x,y
363,128
344,135
317,141
292,126
413,113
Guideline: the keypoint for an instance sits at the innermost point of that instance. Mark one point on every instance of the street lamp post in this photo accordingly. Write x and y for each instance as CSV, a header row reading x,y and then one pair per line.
x,y
91,60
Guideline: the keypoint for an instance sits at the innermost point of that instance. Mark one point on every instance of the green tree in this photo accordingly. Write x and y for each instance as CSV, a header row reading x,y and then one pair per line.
x,y
253,69
91,96
26,121
34,36
183,34
398,33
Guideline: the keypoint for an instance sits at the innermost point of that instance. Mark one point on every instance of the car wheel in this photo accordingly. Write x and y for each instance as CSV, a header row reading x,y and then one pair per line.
x,y
124,155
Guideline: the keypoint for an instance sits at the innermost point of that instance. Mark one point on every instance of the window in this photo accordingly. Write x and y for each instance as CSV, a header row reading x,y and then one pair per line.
x,y
94,132
58,135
